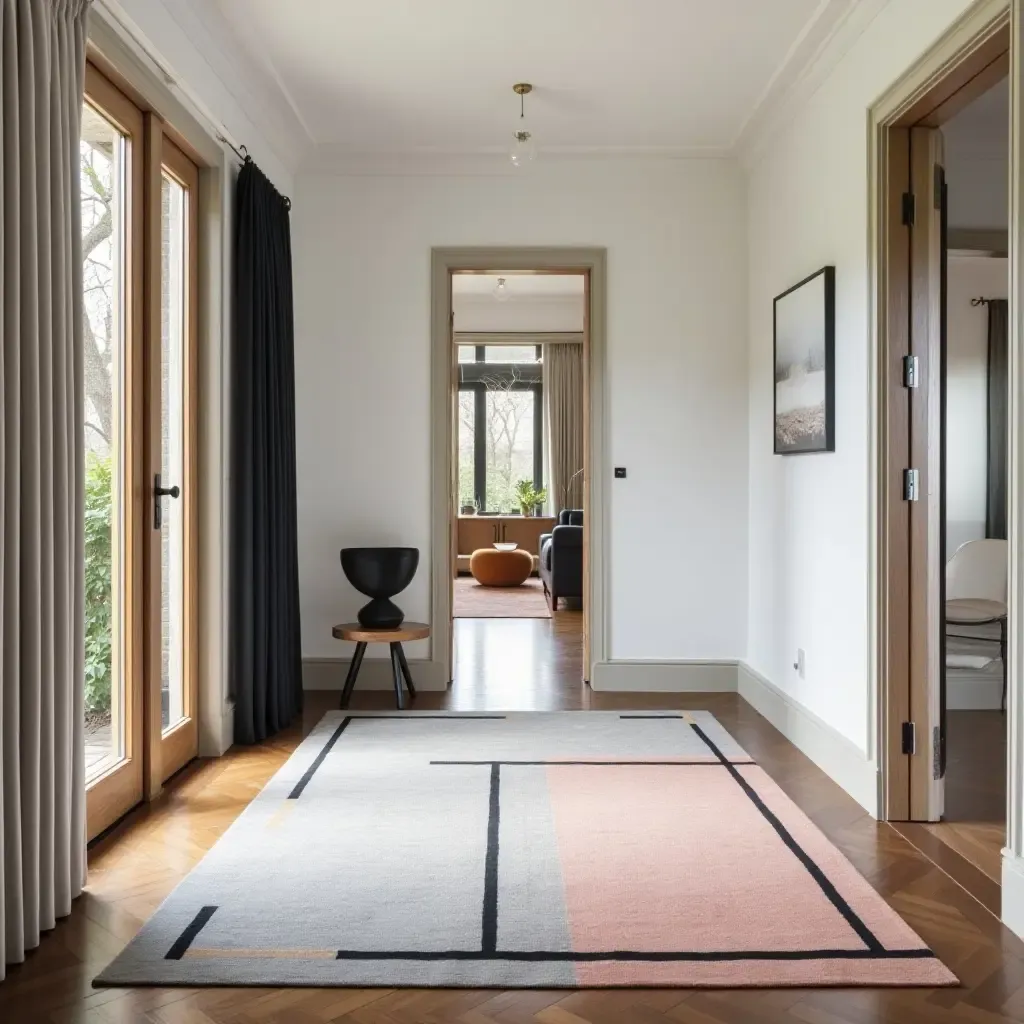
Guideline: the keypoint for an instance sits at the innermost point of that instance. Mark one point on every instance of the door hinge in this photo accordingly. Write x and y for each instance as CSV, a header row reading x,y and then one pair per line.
x,y
939,178
937,758
910,371
910,485
909,738
908,208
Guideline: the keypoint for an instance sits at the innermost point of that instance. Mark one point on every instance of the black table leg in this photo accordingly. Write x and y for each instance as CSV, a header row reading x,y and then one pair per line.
x,y
353,671
396,671
405,669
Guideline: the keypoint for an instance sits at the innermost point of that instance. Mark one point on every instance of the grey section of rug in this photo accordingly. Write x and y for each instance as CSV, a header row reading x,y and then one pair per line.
x,y
515,850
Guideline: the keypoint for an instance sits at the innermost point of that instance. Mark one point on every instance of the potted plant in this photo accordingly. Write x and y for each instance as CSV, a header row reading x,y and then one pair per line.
x,y
529,499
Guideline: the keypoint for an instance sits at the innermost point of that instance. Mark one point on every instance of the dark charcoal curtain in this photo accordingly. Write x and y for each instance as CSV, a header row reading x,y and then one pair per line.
x,y
264,618
998,424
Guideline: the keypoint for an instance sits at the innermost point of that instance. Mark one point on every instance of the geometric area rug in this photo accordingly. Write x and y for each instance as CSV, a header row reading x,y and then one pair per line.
x,y
574,849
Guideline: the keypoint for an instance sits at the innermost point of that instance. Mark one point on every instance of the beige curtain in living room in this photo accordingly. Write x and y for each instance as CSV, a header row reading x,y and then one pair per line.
x,y
563,414
42,773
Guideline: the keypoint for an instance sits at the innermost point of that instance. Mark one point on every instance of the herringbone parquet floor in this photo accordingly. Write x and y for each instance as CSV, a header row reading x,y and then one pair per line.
x,y
136,866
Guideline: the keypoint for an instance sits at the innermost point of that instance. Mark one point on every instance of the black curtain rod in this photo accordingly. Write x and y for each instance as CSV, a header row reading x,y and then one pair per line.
x,y
243,154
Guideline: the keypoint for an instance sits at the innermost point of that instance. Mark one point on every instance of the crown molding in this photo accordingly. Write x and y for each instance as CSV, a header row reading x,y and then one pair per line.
x,y
829,35
492,162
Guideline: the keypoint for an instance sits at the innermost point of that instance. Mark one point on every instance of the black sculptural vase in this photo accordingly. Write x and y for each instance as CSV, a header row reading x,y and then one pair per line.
x,y
380,573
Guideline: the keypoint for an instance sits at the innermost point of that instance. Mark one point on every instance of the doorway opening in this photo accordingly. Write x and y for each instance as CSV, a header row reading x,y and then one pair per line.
x,y
944,170
518,662
519,419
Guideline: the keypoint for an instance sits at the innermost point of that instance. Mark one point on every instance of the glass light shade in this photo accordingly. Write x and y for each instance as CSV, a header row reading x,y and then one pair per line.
x,y
500,290
523,150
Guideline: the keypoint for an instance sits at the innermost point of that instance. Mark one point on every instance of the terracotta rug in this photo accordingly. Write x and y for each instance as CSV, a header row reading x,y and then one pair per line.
x,y
577,849
523,602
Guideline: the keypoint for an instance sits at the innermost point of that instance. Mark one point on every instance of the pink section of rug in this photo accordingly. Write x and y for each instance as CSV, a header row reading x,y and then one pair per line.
x,y
473,601
699,865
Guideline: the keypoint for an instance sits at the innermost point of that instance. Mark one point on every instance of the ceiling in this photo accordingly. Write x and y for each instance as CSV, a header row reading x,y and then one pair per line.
x,y
519,285
415,76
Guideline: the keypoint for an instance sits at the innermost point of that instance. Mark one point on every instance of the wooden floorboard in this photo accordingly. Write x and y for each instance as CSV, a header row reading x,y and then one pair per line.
x,y
135,867
974,822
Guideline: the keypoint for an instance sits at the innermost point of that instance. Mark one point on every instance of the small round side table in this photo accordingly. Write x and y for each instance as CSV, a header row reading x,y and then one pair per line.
x,y
399,666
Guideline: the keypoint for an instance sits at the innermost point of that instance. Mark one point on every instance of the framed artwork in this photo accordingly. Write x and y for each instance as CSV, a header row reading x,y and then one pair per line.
x,y
804,362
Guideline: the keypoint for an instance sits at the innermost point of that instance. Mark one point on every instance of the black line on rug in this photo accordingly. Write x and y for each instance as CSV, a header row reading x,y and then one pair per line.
x,y
414,717
311,770
554,956
670,764
489,940
824,883
668,717
187,937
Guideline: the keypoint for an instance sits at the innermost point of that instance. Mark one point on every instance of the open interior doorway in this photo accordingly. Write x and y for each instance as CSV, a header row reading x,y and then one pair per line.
x,y
944,160
976,146
520,409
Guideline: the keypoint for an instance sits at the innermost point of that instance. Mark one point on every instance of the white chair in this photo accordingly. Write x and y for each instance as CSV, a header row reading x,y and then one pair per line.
x,y
976,590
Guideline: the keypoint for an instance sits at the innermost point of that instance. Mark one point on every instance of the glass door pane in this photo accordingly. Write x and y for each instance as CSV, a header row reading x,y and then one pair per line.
x,y
173,202
171,554
103,161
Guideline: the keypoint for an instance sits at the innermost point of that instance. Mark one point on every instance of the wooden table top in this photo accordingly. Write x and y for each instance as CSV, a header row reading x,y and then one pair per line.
x,y
406,631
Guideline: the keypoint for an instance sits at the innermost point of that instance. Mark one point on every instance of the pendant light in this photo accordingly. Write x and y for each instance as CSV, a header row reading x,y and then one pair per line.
x,y
500,291
523,149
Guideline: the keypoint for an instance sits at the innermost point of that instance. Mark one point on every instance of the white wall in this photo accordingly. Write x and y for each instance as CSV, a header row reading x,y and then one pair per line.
x,y
967,392
809,515
677,390
552,313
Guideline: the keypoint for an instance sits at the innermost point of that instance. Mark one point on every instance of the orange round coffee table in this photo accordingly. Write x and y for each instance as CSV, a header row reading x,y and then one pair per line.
x,y
493,568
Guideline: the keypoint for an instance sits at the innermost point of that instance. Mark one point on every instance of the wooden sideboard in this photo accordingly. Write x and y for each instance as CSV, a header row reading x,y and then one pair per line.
x,y
483,531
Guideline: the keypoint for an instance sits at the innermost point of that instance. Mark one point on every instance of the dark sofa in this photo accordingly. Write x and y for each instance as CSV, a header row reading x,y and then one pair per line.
x,y
561,557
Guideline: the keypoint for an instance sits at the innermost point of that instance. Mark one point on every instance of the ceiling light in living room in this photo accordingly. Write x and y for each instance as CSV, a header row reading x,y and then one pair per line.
x,y
523,149
500,291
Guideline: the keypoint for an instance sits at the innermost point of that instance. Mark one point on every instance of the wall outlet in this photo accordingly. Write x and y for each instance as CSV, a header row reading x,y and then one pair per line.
x,y
800,664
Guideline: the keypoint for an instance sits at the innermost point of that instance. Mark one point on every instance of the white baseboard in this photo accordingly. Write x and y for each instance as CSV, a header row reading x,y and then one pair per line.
x,y
1013,893
830,750
973,691
664,676
374,674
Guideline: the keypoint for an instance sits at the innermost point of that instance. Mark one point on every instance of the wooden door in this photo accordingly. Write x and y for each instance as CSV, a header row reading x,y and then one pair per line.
x,y
927,542
111,174
914,535
172,712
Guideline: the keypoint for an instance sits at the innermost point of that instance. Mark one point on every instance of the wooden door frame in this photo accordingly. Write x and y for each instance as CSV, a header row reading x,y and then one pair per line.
x,y
967,61
591,262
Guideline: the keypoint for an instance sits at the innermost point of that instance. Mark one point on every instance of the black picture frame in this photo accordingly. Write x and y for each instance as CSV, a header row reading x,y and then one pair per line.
x,y
803,365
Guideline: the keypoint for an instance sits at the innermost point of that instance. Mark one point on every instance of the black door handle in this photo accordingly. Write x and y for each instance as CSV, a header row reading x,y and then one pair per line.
x,y
158,493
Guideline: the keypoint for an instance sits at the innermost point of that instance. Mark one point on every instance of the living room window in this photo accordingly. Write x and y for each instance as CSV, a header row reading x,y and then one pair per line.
x,y
500,423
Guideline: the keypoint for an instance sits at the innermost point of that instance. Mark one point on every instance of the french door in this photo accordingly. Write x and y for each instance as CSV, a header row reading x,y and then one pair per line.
x,y
139,223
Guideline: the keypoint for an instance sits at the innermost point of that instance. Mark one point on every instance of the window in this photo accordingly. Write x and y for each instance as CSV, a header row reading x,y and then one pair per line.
x,y
500,423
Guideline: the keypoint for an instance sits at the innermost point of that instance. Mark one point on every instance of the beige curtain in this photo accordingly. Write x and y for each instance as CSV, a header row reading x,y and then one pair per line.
x,y
42,789
563,413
